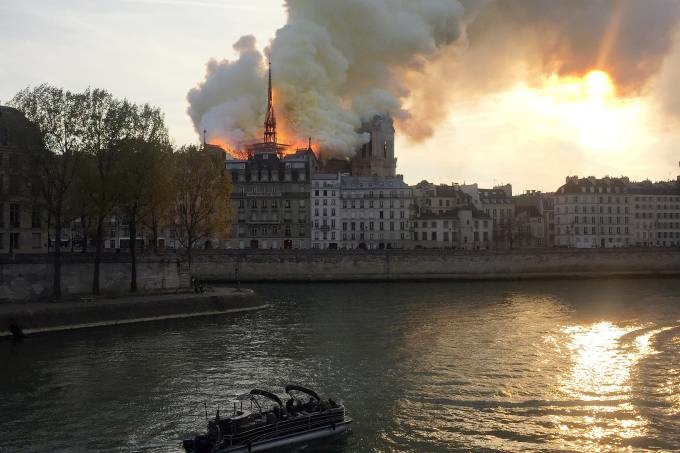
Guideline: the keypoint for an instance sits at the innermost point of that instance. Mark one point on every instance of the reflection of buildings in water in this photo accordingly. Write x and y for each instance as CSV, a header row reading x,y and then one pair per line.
x,y
604,357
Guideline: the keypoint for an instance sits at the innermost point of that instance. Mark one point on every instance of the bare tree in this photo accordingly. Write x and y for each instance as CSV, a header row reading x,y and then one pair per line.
x,y
59,115
203,189
142,162
108,121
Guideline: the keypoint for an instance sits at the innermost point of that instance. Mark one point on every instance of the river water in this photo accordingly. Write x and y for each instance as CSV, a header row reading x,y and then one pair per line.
x,y
422,367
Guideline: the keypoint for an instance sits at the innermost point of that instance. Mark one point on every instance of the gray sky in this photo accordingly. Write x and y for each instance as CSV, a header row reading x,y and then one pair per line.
x,y
146,50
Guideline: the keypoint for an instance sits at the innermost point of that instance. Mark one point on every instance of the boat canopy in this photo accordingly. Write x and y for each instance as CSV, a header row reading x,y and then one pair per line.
x,y
307,391
268,395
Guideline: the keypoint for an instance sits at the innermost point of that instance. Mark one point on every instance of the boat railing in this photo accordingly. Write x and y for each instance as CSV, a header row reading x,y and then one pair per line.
x,y
287,426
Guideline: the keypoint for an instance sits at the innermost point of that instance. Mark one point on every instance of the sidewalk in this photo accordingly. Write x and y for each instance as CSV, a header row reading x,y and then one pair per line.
x,y
87,312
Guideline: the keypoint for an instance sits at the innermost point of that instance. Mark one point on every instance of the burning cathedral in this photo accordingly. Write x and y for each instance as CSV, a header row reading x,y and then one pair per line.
x,y
375,158
274,190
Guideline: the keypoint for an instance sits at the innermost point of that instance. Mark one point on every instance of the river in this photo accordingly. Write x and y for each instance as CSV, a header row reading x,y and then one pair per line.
x,y
421,367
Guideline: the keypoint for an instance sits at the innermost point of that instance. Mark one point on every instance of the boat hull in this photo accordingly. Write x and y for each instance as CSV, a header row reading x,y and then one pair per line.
x,y
289,439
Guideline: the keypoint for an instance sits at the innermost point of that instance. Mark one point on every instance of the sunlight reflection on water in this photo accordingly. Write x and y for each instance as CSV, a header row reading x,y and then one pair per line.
x,y
604,356
545,366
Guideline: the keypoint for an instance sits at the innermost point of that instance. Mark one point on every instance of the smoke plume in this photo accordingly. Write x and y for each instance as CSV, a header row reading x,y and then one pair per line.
x,y
339,62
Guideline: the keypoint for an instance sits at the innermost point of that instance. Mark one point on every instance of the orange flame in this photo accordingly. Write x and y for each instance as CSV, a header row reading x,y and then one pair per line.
x,y
285,135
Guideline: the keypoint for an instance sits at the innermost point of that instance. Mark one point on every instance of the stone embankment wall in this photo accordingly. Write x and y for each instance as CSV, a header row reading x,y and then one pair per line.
x,y
253,266
30,277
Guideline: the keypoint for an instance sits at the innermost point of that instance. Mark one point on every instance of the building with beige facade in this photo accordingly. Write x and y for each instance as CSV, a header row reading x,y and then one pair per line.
x,y
375,213
325,211
615,212
496,203
447,218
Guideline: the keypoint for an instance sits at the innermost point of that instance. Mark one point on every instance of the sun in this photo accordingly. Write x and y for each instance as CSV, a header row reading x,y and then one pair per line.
x,y
598,84
585,110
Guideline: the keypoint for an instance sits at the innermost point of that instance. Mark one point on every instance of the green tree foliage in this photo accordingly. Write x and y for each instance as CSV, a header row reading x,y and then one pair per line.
x,y
58,114
201,209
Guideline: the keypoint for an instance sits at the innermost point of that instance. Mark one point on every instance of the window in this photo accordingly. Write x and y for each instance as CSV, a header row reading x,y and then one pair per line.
x,y
14,216
37,240
14,241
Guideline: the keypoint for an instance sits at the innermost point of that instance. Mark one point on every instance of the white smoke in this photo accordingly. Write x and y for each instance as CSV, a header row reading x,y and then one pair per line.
x,y
335,63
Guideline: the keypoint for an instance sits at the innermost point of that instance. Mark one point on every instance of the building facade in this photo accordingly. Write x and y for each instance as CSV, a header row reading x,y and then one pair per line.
x,y
325,211
655,211
439,199
591,213
463,228
23,225
534,224
270,201
375,213
615,212
497,203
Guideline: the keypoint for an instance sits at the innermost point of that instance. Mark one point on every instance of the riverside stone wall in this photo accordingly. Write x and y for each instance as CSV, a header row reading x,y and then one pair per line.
x,y
253,266
30,277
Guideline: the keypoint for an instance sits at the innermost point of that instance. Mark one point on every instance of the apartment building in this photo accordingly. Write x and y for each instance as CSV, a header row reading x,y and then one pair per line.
x,y
375,213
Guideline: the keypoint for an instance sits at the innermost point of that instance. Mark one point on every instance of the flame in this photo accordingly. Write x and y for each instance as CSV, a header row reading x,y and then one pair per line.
x,y
286,132
285,136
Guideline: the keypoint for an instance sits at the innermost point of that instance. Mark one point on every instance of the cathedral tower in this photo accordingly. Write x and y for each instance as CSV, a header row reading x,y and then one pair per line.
x,y
376,158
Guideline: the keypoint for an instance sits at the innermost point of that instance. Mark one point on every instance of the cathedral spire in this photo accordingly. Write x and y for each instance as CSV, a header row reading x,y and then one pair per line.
x,y
270,121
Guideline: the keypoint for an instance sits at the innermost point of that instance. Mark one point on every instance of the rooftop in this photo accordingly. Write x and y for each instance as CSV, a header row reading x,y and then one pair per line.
x,y
373,182
622,185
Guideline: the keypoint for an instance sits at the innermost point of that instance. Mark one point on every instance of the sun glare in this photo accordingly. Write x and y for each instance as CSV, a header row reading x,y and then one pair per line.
x,y
586,110
598,85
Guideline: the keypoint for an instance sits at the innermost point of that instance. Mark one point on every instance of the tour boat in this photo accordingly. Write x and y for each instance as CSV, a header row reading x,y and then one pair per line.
x,y
281,425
